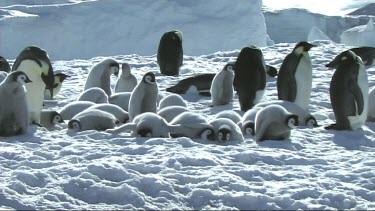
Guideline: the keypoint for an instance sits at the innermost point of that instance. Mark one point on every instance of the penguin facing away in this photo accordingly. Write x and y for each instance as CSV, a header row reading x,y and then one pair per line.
x,y
222,86
349,93
144,96
58,78
170,53
95,95
170,112
249,77
121,99
100,75
172,100
4,65
14,118
35,63
294,80
274,123
126,81
92,119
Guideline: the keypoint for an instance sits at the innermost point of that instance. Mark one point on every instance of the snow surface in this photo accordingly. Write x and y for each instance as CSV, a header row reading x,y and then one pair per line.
x,y
360,36
316,169
85,29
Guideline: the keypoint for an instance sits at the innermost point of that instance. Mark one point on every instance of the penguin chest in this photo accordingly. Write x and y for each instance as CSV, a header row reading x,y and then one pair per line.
x,y
362,80
303,77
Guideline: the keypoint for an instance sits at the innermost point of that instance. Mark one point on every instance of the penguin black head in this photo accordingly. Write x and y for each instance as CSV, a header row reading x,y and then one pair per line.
x,y
115,68
145,132
20,77
61,77
311,122
224,134
303,47
149,78
175,34
208,134
56,118
271,71
343,57
74,124
4,65
229,67
292,121
249,128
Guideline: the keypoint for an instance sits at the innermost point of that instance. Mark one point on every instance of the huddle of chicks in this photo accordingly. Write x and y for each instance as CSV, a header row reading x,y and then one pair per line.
x,y
139,108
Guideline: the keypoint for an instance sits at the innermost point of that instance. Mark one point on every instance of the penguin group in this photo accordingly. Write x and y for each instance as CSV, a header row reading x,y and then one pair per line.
x,y
140,108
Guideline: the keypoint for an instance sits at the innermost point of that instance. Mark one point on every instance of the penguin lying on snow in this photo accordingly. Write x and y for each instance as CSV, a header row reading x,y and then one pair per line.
x,y
172,100
349,93
50,118
170,112
92,119
95,95
14,117
274,123
200,83
229,114
226,130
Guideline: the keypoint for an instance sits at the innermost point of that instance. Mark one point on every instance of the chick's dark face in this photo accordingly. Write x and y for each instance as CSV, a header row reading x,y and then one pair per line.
x,y
223,135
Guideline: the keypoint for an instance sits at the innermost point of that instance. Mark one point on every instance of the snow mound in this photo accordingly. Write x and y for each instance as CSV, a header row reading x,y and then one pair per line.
x,y
363,35
316,34
90,28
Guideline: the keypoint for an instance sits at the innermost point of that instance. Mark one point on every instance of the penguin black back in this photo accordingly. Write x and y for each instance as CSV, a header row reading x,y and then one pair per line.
x,y
249,76
4,65
170,53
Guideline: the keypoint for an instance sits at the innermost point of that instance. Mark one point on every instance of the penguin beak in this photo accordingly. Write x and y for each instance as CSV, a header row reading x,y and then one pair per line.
x,y
308,47
28,80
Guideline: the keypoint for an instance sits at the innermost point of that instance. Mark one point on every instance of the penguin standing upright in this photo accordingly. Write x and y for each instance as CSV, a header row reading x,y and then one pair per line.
x,y
126,81
14,113
4,65
170,53
143,97
249,77
294,80
59,78
222,86
35,62
100,75
349,93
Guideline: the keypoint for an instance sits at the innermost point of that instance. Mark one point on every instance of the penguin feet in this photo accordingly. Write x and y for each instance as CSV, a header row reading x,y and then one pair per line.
x,y
335,127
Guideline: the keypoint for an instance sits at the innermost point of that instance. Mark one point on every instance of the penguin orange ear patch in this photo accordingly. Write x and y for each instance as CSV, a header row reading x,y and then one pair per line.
x,y
344,58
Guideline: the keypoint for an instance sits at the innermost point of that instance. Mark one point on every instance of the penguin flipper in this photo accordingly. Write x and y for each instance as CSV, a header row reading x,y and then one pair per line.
x,y
286,82
122,128
358,97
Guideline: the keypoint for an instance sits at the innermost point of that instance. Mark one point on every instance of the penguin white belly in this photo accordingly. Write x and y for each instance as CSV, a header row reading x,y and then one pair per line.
x,y
34,90
371,105
303,78
258,96
357,121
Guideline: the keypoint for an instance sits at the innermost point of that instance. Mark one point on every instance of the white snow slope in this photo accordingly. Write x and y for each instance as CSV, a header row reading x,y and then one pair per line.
x,y
315,169
103,28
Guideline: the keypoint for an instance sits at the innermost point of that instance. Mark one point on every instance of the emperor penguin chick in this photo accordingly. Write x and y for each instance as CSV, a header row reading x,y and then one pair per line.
x,y
14,117
100,75
274,123
222,86
126,81
144,96
95,95
92,119
226,130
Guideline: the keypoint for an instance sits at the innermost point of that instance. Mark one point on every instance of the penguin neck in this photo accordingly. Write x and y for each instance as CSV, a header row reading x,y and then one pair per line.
x,y
125,74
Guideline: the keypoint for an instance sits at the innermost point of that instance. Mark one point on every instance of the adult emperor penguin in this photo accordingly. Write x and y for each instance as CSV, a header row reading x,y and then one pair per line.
x,y
170,53
147,124
274,123
100,75
35,63
126,81
4,65
92,119
349,93
226,130
143,97
200,83
371,106
366,53
294,80
222,86
58,78
249,77
14,113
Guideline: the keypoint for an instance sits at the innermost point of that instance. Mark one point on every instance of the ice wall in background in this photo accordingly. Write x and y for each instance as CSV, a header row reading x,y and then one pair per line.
x,y
104,28
360,36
